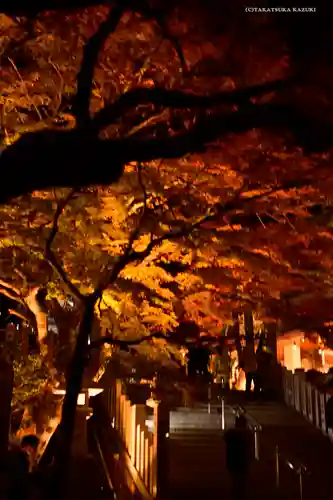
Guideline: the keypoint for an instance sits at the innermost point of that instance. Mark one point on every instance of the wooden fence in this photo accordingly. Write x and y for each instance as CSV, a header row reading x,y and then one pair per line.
x,y
143,445
307,399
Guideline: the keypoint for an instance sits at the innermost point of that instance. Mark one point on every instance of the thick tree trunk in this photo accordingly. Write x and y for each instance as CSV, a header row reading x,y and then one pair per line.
x,y
74,382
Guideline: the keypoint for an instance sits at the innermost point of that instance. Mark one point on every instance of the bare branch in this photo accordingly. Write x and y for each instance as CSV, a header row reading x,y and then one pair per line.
x,y
11,296
125,343
30,99
152,120
90,57
19,315
11,287
50,255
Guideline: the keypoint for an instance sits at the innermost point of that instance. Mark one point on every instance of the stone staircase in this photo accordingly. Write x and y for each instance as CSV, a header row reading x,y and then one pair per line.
x,y
200,418
197,464
197,468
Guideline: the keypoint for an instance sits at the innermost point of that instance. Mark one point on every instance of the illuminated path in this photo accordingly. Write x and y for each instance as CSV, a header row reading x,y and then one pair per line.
x,y
197,455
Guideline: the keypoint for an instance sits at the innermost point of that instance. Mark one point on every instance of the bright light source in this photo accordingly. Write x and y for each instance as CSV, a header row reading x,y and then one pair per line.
x,y
151,403
94,391
81,400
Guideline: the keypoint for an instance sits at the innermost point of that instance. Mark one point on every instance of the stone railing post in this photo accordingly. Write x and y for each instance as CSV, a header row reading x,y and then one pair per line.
x,y
329,429
161,445
297,390
316,403
322,407
310,395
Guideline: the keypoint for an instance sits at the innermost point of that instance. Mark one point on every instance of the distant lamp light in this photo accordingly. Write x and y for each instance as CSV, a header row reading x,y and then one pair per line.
x,y
294,346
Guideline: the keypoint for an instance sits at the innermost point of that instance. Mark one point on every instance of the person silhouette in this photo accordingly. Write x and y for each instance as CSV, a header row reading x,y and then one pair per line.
x,y
239,454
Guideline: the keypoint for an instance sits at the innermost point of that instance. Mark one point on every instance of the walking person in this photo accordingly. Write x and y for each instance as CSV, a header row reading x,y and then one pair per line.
x,y
221,368
249,365
239,455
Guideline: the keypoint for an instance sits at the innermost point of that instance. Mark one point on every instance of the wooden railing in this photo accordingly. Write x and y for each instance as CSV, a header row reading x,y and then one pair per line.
x,y
142,444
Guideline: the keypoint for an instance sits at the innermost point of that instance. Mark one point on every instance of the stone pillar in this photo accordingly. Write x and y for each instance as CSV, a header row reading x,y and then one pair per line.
x,y
292,357
303,393
322,406
316,400
329,430
284,383
291,389
161,436
297,392
309,390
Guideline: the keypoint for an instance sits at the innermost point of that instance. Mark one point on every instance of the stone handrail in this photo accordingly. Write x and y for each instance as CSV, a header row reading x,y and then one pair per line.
x,y
306,399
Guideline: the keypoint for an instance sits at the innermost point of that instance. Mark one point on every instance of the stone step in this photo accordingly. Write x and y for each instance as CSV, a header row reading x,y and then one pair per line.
x,y
208,435
214,408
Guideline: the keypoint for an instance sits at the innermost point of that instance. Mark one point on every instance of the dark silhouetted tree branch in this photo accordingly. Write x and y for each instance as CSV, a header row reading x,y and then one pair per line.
x,y
178,99
89,61
49,253
51,147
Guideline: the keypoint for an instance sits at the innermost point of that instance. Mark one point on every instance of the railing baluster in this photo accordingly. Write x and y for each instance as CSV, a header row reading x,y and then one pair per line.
x,y
301,482
209,397
277,467
256,443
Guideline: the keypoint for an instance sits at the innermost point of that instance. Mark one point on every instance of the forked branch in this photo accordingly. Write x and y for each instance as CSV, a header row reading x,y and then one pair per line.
x,y
49,253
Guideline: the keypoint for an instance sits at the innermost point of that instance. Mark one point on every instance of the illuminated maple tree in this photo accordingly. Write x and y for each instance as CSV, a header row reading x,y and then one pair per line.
x,y
230,227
